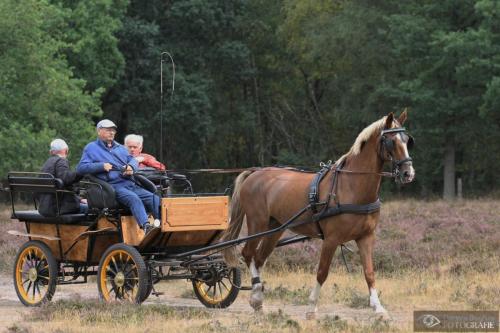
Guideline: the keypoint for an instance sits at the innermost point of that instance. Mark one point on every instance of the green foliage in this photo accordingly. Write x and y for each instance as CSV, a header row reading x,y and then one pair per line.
x,y
40,98
449,70
92,47
257,82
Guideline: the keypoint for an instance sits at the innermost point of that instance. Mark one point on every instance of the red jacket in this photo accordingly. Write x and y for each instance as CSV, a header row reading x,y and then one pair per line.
x,y
150,161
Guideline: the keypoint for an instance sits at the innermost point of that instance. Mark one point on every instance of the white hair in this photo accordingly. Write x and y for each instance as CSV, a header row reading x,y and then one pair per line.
x,y
134,138
58,145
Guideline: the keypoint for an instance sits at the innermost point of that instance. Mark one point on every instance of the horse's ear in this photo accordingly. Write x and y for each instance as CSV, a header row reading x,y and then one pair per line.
x,y
403,116
388,120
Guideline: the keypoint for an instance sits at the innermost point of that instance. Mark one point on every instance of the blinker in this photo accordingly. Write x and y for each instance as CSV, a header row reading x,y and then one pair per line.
x,y
389,143
410,143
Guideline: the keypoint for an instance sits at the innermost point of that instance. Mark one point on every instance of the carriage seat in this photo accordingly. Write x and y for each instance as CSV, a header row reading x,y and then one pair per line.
x,y
35,216
101,194
37,183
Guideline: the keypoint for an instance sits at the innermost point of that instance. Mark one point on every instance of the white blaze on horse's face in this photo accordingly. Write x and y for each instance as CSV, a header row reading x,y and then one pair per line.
x,y
407,171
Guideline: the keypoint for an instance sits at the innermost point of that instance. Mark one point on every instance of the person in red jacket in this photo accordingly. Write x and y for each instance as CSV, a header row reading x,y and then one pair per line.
x,y
133,142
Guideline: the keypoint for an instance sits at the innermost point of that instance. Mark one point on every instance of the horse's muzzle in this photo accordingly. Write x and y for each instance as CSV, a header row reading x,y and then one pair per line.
x,y
407,173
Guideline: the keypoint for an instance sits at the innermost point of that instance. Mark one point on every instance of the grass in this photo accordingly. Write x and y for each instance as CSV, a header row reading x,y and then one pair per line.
x,y
429,255
344,299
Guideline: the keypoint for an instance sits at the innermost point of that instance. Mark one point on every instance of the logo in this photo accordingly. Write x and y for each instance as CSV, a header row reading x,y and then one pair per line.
x,y
455,321
429,320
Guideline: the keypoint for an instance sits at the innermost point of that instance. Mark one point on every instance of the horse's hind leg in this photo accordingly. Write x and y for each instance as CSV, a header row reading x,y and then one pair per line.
x,y
365,245
249,254
267,246
327,251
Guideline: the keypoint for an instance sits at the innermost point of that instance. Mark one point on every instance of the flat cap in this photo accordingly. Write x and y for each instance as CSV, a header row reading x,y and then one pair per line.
x,y
106,123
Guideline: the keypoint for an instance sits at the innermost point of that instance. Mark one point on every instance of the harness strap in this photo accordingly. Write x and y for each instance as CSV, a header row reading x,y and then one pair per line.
x,y
347,209
314,187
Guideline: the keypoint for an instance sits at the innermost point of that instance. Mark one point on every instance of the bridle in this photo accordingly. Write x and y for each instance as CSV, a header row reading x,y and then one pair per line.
x,y
386,150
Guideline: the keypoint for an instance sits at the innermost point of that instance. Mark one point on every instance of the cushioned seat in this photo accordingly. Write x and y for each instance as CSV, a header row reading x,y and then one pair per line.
x,y
34,216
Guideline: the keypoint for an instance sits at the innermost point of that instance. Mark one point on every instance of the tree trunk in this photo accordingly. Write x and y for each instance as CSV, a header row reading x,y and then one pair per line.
x,y
449,171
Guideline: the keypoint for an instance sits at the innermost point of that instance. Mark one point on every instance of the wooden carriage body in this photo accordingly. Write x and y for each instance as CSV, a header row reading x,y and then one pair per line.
x,y
108,243
186,223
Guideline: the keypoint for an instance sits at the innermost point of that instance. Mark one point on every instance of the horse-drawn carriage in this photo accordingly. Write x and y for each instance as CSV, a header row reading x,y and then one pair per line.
x,y
338,204
107,243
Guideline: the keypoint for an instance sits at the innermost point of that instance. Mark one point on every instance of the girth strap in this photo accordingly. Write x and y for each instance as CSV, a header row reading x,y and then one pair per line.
x,y
348,209
314,187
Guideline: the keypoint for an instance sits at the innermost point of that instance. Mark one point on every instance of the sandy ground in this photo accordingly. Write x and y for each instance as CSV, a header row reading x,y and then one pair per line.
x,y
12,311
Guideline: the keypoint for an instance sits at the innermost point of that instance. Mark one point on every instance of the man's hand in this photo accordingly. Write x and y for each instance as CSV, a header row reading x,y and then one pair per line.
x,y
127,170
107,167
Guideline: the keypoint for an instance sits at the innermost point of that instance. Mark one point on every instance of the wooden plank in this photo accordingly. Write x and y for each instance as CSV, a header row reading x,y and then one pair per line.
x,y
146,241
104,241
194,213
132,234
68,234
189,238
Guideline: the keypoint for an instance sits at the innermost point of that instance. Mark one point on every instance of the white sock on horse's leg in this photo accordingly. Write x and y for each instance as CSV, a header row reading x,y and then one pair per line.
x,y
375,302
257,296
313,301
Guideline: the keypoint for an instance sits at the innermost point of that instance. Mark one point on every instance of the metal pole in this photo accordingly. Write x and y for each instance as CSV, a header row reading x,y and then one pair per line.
x,y
161,97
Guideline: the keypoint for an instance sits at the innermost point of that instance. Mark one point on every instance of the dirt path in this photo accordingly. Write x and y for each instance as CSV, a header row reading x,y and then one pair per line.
x,y
12,311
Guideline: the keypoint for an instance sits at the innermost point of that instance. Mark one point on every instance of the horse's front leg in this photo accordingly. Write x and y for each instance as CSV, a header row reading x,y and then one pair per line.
x,y
365,245
327,251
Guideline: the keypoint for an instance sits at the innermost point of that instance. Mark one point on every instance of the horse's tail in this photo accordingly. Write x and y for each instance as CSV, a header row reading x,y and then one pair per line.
x,y
236,222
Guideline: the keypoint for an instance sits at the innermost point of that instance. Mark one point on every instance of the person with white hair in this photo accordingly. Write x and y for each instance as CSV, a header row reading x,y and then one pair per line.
x,y
134,145
58,166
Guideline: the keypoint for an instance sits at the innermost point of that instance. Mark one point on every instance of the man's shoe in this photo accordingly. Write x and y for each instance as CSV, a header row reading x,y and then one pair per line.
x,y
148,228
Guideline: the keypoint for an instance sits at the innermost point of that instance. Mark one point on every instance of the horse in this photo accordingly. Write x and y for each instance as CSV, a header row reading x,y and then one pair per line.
x,y
271,196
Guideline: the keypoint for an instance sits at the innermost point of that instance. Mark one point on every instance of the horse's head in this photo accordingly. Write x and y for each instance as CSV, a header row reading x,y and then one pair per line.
x,y
395,144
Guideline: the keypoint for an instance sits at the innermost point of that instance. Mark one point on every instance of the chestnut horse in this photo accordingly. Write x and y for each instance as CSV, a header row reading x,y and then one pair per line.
x,y
269,197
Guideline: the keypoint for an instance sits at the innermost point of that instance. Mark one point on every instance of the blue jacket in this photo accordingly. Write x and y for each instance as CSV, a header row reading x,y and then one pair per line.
x,y
96,153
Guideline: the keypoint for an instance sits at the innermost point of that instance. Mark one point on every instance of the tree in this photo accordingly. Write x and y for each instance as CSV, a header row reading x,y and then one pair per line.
x,y
91,42
40,99
448,55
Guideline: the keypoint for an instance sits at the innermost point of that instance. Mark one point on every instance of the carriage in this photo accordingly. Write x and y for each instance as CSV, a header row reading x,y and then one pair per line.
x,y
108,244
338,204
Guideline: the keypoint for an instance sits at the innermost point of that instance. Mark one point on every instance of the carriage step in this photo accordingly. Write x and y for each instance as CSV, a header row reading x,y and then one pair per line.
x,y
246,288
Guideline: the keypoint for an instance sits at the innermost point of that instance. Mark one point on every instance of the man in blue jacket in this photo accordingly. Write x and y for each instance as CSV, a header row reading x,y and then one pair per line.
x,y
108,160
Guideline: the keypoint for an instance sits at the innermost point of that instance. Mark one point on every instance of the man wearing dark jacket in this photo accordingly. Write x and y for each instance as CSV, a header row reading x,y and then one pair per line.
x,y
58,166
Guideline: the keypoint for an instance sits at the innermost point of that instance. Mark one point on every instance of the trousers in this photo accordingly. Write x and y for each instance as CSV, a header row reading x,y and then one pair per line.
x,y
138,200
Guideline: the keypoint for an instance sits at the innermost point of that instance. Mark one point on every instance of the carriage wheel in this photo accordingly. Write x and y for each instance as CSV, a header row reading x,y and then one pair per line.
x,y
122,275
220,289
35,273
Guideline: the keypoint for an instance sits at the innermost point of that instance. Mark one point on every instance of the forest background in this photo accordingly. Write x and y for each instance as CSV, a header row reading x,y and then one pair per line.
x,y
258,83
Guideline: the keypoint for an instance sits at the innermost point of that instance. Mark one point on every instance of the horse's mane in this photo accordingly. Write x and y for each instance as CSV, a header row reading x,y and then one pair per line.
x,y
364,136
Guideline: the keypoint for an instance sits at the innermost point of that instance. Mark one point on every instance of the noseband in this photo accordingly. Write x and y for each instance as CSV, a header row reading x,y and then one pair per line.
x,y
387,145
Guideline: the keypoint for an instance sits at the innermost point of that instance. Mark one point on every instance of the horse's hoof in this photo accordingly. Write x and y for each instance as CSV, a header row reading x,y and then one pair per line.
x,y
382,314
256,304
311,315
